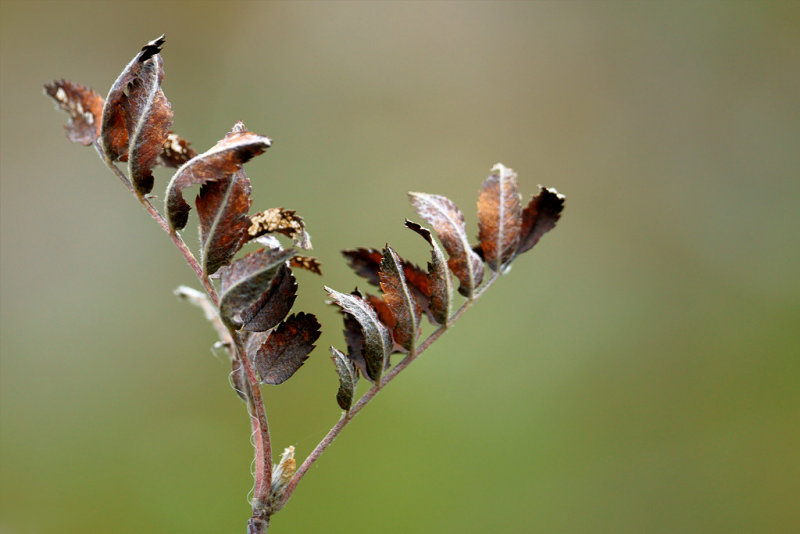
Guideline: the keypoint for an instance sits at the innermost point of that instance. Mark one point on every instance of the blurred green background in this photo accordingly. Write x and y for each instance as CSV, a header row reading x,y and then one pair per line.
x,y
637,372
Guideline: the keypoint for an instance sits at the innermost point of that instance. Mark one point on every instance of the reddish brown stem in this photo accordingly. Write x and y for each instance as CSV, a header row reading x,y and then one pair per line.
x,y
369,395
174,236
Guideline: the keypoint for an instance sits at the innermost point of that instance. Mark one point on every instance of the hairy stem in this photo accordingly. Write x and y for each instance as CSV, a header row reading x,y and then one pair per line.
x,y
154,213
373,391
261,439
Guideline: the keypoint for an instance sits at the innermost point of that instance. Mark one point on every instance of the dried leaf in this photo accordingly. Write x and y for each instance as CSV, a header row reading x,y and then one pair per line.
x,y
274,304
246,283
377,338
499,217
285,349
220,162
282,221
127,97
306,262
85,108
348,378
439,277
222,208
399,299
539,217
354,338
448,222
175,151
366,262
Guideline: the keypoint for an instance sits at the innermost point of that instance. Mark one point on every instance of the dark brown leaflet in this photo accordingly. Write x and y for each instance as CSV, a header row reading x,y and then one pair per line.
x,y
400,299
218,163
499,217
246,283
222,208
441,285
539,217
85,108
279,354
448,223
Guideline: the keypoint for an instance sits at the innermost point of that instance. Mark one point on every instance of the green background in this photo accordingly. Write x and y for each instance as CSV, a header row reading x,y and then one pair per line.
x,y
637,372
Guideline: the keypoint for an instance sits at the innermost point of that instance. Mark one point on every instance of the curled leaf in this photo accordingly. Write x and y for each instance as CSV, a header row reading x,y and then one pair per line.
x,y
539,217
85,108
348,378
377,338
279,354
499,217
399,299
274,304
441,285
222,207
306,262
246,285
124,104
448,222
282,221
218,163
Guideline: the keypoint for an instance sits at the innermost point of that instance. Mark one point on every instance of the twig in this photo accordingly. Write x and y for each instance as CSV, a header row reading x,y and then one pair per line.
x,y
154,213
369,395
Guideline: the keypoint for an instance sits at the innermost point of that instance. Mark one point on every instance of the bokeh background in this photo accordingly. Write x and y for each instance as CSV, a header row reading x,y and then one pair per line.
x,y
637,372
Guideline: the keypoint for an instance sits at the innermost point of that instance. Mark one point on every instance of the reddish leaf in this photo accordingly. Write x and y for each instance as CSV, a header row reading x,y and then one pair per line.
x,y
539,217
377,338
448,222
306,262
400,299
285,349
219,163
222,208
439,277
85,108
175,151
366,262
274,304
282,221
348,378
354,338
246,283
499,217
383,311
138,83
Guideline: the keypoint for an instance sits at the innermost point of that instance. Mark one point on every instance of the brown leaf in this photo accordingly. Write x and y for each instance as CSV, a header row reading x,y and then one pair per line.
x,y
306,262
539,217
127,97
448,222
285,349
399,299
441,285
499,217
222,208
274,304
354,338
85,108
377,338
366,262
218,163
175,151
246,283
282,221
348,378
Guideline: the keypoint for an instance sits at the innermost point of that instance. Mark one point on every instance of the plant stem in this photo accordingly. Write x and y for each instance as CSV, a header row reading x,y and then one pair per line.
x,y
154,213
373,391
261,442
